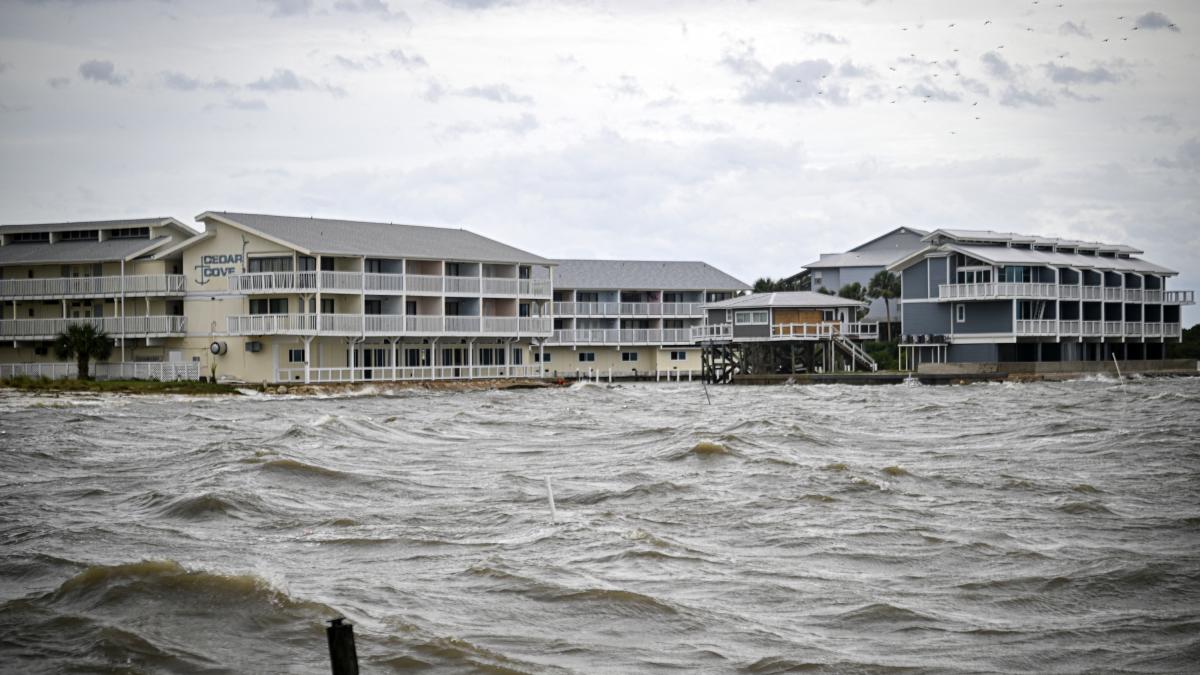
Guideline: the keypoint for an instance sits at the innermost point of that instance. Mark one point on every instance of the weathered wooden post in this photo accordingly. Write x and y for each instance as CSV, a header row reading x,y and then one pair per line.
x,y
342,656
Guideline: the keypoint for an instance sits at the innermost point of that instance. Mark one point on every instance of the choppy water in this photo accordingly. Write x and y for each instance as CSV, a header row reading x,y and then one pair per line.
x,y
1036,527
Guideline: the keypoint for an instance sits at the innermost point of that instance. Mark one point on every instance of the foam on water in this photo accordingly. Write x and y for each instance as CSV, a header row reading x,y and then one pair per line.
x,y
981,528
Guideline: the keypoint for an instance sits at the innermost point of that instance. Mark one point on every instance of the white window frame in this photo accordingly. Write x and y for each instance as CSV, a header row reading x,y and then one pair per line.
x,y
960,312
292,355
678,356
752,317
587,357
629,357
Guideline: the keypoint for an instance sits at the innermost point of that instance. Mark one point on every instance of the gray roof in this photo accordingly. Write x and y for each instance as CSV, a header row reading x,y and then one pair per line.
x,y
669,275
1005,255
993,236
785,300
98,225
384,240
856,257
859,259
76,251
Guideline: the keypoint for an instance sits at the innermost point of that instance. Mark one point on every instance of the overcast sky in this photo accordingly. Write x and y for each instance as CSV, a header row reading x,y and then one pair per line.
x,y
752,135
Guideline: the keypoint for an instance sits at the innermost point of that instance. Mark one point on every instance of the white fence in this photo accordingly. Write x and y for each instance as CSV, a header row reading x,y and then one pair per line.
x,y
387,325
129,326
83,287
628,309
166,371
405,374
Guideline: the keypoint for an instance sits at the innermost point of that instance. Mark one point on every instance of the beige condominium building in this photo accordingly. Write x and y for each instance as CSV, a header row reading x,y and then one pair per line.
x,y
120,275
627,316
274,298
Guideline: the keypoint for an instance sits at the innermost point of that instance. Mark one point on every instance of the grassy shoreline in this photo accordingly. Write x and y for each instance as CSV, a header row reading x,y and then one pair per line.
x,y
43,385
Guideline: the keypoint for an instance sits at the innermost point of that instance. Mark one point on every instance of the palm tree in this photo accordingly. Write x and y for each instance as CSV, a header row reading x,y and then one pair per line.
x,y
855,291
83,342
887,286
769,285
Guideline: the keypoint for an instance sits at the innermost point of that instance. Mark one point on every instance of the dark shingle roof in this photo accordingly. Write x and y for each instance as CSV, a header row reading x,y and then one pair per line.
x,y
671,275
386,240
802,299
76,251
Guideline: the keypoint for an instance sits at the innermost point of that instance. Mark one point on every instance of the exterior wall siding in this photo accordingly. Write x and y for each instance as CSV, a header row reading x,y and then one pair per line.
x,y
915,281
926,318
985,317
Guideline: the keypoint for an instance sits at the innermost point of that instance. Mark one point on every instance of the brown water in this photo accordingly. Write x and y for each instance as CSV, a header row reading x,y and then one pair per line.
x,y
1037,527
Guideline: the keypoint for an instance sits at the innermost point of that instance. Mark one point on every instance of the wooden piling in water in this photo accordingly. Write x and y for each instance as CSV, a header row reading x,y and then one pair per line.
x,y
342,656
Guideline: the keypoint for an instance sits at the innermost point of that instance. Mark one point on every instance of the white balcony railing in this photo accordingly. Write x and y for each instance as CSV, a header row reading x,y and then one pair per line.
x,y
1091,327
92,287
495,286
1112,294
1179,297
386,325
1037,327
996,290
1152,330
567,309
163,371
1134,295
1091,293
463,285
1153,296
1171,330
129,326
1113,328
1069,327
1133,328
1069,292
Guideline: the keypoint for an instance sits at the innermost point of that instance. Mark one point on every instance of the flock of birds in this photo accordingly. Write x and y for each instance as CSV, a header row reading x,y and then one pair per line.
x,y
927,91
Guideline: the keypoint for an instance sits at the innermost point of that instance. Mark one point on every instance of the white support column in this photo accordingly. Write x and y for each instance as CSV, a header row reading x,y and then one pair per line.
x,y
471,353
541,358
307,339
121,321
395,355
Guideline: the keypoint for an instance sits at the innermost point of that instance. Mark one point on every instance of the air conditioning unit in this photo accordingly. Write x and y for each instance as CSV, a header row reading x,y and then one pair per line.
x,y
254,346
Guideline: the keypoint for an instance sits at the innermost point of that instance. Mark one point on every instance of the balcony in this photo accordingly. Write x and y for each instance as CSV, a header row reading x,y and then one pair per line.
x,y
1075,327
621,336
130,326
996,291
374,283
628,309
1179,297
92,287
791,331
387,325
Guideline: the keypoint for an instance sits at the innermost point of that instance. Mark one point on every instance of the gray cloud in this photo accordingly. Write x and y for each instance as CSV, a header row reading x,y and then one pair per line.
x,y
1187,157
376,8
58,82
102,71
1072,75
977,87
518,126
477,4
1082,98
183,82
627,86
1015,97
3,66
1072,28
791,82
827,38
848,69
285,80
244,104
283,8
410,61
499,93
5,108
1161,123
997,67
934,93
1155,21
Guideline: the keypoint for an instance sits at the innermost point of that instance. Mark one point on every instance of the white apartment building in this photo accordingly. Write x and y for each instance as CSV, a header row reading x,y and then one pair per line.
x,y
626,316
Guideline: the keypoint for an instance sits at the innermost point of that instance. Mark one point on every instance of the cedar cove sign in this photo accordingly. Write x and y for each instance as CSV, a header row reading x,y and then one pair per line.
x,y
217,265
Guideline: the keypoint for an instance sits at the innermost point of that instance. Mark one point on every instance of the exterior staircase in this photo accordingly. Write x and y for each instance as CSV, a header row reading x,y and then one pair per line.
x,y
852,349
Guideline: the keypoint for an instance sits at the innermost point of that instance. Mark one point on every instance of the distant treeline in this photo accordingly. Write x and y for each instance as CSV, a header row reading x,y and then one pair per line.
x,y
1189,347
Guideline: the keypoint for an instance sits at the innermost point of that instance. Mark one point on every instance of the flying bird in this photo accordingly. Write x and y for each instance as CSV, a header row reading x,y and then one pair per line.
x,y
987,22
891,69
1000,47
975,104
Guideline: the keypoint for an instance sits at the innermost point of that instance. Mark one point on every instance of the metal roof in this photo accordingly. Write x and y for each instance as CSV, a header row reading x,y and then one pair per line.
x,y
785,300
383,240
991,236
670,275
859,259
1005,255
878,258
161,221
77,251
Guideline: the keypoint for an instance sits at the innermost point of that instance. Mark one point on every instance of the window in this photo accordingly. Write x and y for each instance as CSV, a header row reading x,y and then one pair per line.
x,y
678,356
517,356
829,315
269,306
587,357
327,306
452,270
587,297
960,313
523,309
373,266
295,356
29,237
523,272
541,358
79,235
672,297
629,356
756,317
129,233
275,264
